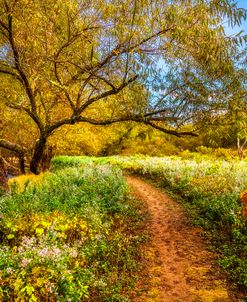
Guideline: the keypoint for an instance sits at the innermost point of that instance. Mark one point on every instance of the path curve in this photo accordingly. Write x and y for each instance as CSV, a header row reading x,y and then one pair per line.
x,y
178,265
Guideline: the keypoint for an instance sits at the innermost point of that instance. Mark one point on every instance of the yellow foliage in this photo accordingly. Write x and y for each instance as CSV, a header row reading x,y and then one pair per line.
x,y
210,183
40,224
22,181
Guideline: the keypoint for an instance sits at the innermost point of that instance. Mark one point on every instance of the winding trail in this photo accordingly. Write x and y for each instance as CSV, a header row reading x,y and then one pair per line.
x,y
178,265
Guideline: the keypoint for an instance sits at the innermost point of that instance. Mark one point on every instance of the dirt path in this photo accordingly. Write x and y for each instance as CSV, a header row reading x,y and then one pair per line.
x,y
178,266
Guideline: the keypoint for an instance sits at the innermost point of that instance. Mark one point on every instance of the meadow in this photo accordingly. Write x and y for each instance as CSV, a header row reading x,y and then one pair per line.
x,y
102,78
69,235
210,190
74,233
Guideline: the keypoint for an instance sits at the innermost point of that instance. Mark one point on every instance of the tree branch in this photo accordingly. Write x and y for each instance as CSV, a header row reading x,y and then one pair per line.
x,y
25,109
133,118
11,73
172,132
16,149
105,94
18,65
11,146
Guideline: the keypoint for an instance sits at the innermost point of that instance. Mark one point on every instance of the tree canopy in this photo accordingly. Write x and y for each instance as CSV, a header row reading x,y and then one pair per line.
x,y
97,62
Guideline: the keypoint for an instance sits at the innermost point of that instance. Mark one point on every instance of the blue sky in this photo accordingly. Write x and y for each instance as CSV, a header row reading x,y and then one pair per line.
x,y
242,4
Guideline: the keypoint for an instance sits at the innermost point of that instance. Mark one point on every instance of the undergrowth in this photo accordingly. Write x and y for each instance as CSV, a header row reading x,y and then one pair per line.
x,y
69,235
211,191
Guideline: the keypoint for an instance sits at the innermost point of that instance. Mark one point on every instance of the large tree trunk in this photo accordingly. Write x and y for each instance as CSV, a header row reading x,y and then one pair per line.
x,y
46,158
22,164
38,153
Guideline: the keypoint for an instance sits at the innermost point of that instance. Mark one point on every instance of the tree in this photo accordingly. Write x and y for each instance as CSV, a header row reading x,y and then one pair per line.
x,y
240,108
64,62
17,135
226,125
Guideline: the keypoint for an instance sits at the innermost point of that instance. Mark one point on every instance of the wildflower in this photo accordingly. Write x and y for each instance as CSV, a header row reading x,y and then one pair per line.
x,y
9,270
73,253
98,237
25,262
44,252
20,249
56,252
28,242
51,288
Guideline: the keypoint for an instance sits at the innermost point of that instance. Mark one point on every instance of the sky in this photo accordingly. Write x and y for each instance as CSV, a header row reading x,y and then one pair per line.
x,y
230,31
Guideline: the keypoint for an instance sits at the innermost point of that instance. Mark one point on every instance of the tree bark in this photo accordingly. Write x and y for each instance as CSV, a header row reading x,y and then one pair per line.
x,y
17,150
22,164
3,175
46,158
38,154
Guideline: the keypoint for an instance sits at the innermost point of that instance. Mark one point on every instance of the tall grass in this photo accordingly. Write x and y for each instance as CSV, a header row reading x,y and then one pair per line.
x,y
211,191
68,236
68,190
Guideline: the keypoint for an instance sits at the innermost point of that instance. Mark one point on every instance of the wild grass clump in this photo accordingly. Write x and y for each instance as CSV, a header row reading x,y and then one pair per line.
x,y
211,190
68,236
68,190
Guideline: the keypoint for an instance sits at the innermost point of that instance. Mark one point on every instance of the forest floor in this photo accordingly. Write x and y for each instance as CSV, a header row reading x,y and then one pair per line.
x,y
178,265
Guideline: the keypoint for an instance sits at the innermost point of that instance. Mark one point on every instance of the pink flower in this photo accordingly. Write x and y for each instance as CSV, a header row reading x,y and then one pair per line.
x,y
44,252
25,262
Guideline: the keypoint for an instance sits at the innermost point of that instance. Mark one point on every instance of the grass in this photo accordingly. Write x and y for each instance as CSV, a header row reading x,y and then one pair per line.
x,y
69,235
211,191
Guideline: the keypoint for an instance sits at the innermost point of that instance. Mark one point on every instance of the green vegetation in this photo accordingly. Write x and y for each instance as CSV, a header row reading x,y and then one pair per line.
x,y
211,191
103,78
164,65
70,235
